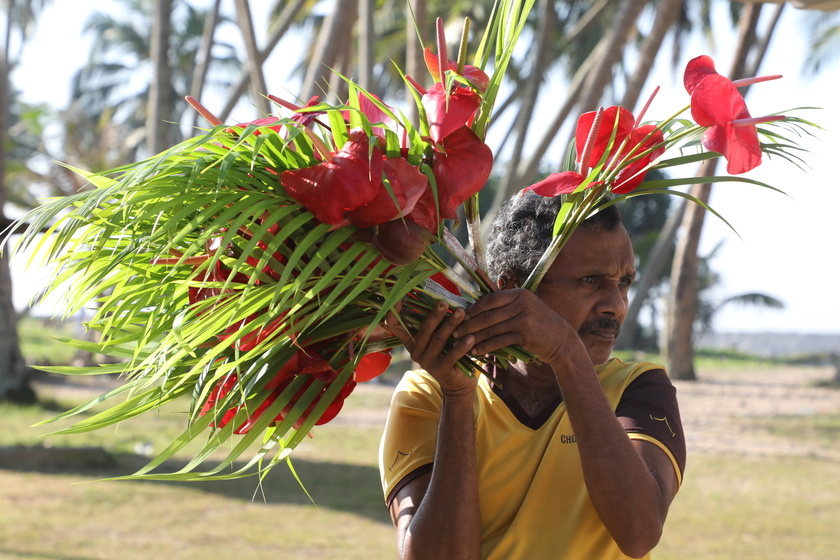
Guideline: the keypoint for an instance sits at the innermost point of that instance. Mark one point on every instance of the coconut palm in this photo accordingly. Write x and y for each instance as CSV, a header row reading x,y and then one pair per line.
x,y
14,383
122,52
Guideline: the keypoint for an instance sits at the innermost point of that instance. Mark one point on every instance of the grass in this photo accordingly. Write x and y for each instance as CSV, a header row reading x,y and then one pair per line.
x,y
729,507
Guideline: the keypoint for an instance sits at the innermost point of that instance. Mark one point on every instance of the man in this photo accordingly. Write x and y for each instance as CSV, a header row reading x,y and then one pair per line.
x,y
575,457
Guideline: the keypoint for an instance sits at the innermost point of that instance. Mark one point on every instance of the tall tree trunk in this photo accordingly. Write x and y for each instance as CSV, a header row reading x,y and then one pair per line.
x,y
334,37
648,275
624,24
204,56
160,92
14,381
545,39
682,300
287,17
666,14
415,65
258,87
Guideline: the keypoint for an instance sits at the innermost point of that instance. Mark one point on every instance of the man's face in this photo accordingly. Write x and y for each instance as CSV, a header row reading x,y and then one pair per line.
x,y
587,285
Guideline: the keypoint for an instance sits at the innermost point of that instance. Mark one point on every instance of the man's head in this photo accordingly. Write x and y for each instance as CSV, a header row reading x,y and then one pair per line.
x,y
587,285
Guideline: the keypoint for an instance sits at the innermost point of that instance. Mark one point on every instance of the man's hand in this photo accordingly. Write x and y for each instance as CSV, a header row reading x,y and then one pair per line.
x,y
515,317
427,347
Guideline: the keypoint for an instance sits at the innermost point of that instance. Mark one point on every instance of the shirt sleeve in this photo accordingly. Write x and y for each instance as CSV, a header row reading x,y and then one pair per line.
x,y
649,410
410,435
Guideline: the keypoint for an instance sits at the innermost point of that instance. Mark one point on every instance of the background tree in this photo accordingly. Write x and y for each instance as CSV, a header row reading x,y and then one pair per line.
x,y
14,381
111,84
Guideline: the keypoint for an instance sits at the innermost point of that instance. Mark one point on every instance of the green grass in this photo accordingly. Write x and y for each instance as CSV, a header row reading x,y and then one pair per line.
x,y
729,507
754,508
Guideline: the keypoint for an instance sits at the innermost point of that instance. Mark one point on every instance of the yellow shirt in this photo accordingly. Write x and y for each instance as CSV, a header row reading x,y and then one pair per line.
x,y
533,500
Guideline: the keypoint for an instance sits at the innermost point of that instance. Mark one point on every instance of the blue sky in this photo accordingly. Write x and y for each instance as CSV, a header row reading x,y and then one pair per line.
x,y
786,245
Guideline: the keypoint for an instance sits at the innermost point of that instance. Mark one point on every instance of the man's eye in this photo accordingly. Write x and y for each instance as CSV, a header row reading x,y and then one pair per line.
x,y
625,282
589,279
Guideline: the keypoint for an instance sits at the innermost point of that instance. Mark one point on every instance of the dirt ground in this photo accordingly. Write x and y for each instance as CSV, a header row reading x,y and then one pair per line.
x,y
720,408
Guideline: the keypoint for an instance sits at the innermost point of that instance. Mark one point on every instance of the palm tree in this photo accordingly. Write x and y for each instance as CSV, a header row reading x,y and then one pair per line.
x,y
682,304
122,51
14,381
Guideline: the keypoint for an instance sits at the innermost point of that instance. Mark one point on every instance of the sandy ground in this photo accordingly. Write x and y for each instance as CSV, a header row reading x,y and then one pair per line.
x,y
719,410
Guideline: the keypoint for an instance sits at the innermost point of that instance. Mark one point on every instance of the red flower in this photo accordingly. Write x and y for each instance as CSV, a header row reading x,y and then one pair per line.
x,y
372,365
460,170
557,183
474,75
629,143
717,104
407,185
448,113
332,188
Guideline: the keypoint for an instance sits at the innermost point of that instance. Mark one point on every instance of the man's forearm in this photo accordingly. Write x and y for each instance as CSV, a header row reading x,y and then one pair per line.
x,y
448,522
622,488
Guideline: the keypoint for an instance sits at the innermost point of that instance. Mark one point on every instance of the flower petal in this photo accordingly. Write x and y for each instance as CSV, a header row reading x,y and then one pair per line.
x,y
407,184
557,183
447,114
372,365
623,126
697,70
717,101
332,188
461,171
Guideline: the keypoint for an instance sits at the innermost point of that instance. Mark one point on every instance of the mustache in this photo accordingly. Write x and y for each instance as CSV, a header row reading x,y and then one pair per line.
x,y
601,324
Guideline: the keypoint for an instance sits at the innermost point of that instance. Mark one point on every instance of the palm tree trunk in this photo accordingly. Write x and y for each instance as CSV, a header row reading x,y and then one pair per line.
x,y
648,275
682,300
203,58
597,81
545,39
258,87
14,381
160,97
334,37
287,17
666,14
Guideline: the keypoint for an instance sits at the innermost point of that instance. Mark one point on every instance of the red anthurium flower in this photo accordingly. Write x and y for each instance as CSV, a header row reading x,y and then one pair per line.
x,y
448,113
372,365
557,183
476,76
332,188
407,184
623,128
628,143
632,174
462,170
717,104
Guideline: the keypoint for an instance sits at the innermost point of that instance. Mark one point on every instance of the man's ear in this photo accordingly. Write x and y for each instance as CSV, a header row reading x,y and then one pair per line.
x,y
507,281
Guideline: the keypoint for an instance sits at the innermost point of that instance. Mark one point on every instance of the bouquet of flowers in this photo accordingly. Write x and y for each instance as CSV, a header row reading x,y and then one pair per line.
x,y
248,271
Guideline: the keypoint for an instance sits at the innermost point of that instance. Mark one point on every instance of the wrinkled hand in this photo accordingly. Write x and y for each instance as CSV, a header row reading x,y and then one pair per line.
x,y
427,347
515,317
